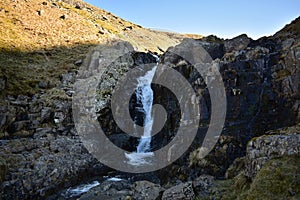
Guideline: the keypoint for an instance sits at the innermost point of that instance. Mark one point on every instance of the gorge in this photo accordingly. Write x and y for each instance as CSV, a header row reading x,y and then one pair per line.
x,y
42,156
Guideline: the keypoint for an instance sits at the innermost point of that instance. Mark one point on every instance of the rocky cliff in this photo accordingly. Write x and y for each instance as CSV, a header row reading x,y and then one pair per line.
x,y
262,88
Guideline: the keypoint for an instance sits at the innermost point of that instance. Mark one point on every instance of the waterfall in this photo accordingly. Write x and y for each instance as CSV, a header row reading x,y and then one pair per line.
x,y
144,95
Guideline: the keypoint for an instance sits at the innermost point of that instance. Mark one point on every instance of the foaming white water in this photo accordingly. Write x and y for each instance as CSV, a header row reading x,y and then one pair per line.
x,y
77,191
115,179
144,95
137,159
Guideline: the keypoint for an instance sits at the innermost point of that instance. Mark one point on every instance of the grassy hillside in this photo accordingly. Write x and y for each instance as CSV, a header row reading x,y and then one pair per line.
x,y
35,24
41,39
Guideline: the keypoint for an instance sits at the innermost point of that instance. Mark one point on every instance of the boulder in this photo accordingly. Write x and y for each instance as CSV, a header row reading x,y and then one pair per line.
x,y
237,43
263,148
203,184
183,191
145,190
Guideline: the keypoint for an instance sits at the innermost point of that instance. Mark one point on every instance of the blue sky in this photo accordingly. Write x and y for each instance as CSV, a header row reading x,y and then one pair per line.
x,y
225,19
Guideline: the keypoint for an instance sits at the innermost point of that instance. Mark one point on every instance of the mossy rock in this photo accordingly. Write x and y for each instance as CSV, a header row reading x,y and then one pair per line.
x,y
282,74
235,168
278,179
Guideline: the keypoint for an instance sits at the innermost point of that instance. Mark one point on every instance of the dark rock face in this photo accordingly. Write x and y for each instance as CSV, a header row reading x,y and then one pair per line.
x,y
123,189
110,190
262,91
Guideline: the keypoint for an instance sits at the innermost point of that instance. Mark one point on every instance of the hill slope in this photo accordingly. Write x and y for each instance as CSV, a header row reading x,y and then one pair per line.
x,y
41,39
36,24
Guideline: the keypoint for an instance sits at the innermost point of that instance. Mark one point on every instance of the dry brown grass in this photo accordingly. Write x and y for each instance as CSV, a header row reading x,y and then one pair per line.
x,y
37,24
37,44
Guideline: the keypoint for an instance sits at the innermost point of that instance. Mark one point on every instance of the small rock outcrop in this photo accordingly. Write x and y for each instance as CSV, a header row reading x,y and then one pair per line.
x,y
264,148
145,190
237,43
182,191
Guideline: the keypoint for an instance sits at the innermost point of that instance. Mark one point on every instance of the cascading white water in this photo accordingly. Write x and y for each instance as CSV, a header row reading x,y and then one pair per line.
x,y
79,190
144,95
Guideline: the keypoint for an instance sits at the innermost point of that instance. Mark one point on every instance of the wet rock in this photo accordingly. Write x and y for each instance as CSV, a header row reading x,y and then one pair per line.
x,y
124,141
111,75
255,101
109,190
183,191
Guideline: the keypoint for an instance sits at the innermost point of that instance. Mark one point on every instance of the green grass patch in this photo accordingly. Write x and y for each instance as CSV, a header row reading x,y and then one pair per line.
x,y
278,179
